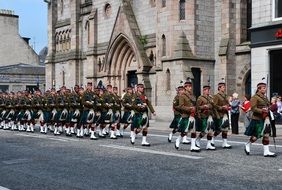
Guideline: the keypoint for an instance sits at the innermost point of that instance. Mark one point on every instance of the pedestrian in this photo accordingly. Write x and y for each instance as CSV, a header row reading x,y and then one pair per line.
x,y
246,108
235,112
260,123
273,115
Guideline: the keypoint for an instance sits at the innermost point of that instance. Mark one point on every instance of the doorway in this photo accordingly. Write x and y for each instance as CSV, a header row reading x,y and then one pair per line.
x,y
275,72
132,79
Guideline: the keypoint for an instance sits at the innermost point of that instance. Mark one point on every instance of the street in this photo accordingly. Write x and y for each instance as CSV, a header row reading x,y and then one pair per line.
x,y
36,161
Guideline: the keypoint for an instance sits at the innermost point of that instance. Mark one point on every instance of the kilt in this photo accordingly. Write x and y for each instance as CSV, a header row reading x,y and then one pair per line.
x,y
175,122
255,128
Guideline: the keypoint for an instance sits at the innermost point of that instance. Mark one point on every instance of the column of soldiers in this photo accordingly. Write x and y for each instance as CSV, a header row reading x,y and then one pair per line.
x,y
97,113
84,112
208,115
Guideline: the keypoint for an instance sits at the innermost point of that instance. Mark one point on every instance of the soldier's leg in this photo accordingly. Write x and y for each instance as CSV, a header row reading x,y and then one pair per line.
x,y
265,142
93,131
144,137
224,140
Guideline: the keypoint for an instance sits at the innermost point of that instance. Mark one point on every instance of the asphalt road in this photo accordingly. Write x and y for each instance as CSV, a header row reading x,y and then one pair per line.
x,y
35,161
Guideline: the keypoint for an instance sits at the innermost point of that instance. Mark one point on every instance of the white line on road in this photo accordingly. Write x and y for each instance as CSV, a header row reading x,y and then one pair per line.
x,y
231,142
47,137
151,151
3,188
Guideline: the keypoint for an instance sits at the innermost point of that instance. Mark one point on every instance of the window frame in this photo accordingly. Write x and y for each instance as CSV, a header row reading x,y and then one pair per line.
x,y
274,12
179,4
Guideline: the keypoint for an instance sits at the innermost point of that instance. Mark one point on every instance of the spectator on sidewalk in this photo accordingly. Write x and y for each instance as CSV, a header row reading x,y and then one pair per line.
x,y
279,106
273,115
235,102
246,108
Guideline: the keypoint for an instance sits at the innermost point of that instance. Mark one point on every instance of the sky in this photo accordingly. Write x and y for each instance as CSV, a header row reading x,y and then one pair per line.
x,y
32,20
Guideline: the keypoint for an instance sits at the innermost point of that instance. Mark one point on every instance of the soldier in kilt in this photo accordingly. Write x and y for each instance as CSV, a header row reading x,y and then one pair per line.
x,y
50,106
222,107
100,110
28,113
2,109
109,119
177,114
127,102
87,102
9,118
117,111
260,123
140,122
62,112
74,111
187,123
205,111
37,106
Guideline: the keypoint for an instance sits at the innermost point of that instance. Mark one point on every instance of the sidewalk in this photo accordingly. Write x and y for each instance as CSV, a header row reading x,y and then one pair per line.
x,y
164,126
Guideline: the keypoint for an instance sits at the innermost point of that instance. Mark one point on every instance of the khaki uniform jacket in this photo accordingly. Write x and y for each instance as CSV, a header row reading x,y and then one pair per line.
x,y
185,105
259,101
205,106
220,100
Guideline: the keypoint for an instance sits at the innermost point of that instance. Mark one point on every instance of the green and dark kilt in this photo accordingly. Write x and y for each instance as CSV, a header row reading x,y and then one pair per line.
x,y
183,125
218,127
255,128
138,121
202,125
126,118
83,118
70,116
175,122
101,119
47,116
18,116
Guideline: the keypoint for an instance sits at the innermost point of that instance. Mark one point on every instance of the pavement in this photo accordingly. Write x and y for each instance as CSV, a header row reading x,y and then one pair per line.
x,y
33,161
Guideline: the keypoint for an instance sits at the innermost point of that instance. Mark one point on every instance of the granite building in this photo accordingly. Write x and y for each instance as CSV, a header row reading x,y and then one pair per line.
x,y
266,44
155,42
19,63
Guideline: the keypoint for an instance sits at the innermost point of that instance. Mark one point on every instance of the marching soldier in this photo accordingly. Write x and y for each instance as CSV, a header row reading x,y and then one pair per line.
x,y
205,112
140,121
74,111
187,123
62,112
177,114
127,102
117,111
87,101
260,123
222,107
109,105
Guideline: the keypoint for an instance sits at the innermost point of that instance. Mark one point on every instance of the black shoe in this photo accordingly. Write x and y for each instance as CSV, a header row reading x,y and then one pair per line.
x,y
176,147
195,150
227,147
131,142
146,144
268,155
169,140
102,136
247,153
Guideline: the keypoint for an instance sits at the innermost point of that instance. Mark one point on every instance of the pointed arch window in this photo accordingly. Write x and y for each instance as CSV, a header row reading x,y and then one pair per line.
x,y
181,9
163,45
163,3
168,81
87,28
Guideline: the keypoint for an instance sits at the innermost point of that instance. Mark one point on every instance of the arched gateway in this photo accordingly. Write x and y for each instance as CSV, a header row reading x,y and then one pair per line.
x,y
124,63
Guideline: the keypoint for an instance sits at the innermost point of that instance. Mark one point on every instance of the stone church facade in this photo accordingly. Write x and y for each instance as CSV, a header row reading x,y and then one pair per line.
x,y
155,42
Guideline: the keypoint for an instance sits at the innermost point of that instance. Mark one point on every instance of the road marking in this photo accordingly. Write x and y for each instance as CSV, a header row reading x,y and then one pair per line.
x,y
3,188
231,142
62,139
151,151
16,161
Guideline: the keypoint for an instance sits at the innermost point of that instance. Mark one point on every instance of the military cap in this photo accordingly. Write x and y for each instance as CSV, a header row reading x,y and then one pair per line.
x,y
262,82
188,82
221,83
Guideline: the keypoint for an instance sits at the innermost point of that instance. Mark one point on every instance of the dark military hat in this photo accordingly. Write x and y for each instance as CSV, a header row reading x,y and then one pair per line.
x,y
180,87
109,85
140,85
